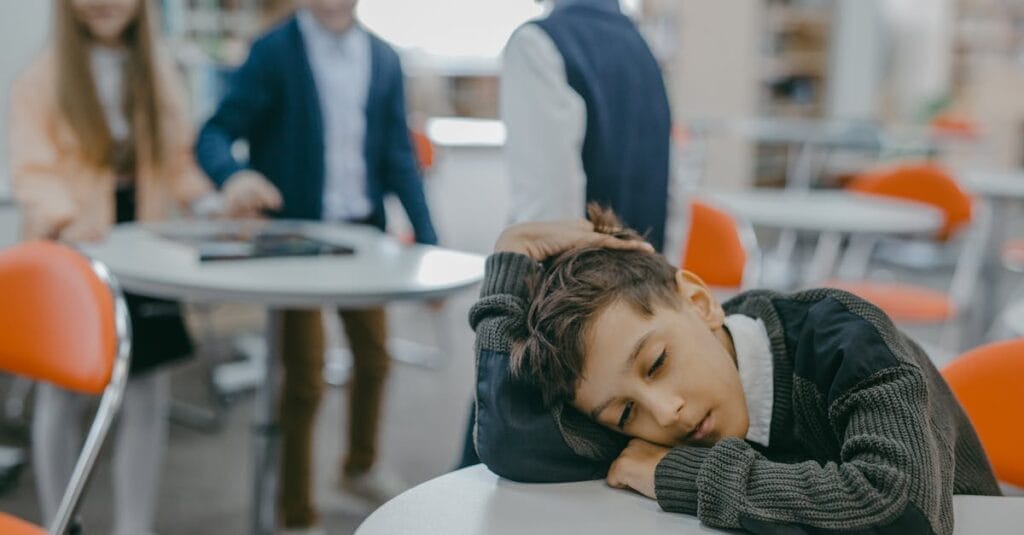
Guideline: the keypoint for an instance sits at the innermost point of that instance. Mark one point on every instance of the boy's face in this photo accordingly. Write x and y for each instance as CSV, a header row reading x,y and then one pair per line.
x,y
670,378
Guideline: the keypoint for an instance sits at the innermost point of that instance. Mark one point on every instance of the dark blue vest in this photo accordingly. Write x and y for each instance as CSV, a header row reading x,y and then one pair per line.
x,y
626,147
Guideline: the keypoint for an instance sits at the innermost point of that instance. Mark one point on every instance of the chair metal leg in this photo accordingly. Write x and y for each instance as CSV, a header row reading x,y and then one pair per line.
x,y
210,418
15,402
826,252
266,434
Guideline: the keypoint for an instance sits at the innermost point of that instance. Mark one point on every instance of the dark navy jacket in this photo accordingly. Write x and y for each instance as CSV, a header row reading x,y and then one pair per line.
x,y
272,102
626,144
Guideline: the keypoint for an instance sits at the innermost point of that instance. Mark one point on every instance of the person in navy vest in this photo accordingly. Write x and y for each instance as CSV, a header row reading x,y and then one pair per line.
x,y
587,119
321,103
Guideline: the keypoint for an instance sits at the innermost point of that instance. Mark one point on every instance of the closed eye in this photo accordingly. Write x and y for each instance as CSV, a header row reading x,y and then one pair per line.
x,y
656,365
627,411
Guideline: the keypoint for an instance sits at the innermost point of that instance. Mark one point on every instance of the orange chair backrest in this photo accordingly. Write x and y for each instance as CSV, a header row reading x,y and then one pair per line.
x,y
714,249
925,183
955,126
424,149
57,318
989,383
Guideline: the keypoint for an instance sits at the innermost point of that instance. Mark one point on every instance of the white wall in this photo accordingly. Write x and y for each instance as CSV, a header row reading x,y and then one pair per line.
x,y
717,76
24,28
856,59
921,44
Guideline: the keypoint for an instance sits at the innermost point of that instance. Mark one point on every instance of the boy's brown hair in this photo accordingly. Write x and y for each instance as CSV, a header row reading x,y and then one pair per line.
x,y
566,297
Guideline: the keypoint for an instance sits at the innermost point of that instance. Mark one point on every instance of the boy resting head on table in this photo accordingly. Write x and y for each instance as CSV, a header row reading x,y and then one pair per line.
x,y
774,413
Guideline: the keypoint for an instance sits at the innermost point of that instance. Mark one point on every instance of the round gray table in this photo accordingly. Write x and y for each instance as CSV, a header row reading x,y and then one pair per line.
x,y
831,214
810,139
1005,190
1007,185
830,211
1013,318
382,270
474,501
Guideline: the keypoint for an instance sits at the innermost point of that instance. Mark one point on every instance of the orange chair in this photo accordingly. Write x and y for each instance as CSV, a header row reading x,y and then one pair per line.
x,y
721,250
927,183
65,322
424,150
955,126
913,304
987,382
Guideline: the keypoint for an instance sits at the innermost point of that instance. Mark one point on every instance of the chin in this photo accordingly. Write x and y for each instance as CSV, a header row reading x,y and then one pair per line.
x,y
109,31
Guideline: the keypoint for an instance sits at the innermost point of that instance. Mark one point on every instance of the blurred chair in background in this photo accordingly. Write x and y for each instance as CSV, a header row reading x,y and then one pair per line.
x,y
987,382
65,323
967,224
721,250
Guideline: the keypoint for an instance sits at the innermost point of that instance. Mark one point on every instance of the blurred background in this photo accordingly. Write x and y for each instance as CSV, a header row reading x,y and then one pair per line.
x,y
896,80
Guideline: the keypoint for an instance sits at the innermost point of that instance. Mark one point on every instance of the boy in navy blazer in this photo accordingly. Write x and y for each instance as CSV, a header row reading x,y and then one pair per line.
x,y
321,103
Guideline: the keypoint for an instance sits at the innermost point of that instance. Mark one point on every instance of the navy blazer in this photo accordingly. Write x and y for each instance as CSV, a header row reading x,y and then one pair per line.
x,y
272,102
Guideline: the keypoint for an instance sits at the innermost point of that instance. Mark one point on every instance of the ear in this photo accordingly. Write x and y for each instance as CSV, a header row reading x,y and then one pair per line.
x,y
693,292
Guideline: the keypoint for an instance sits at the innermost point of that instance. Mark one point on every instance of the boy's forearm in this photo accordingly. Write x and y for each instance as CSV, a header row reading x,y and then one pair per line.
x,y
890,478
502,303
507,273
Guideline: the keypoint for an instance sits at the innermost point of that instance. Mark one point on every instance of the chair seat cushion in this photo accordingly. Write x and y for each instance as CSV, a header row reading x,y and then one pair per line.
x,y
10,525
904,303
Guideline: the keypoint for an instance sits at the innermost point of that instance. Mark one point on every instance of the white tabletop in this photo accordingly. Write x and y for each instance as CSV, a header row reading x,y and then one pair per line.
x,y
857,135
996,184
817,132
381,270
829,211
474,501
1013,317
466,132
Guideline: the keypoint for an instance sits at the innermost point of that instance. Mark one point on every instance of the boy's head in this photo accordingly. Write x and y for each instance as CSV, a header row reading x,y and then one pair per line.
x,y
637,345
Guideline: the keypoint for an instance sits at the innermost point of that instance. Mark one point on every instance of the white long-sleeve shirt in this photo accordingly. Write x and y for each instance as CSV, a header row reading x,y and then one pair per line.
x,y
546,121
341,70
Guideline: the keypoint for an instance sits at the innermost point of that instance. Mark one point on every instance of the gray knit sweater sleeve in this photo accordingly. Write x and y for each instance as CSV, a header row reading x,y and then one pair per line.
x,y
503,300
889,473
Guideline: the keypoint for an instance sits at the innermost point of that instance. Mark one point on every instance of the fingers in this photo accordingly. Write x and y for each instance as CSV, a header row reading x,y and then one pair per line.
x,y
268,197
251,200
583,224
247,193
611,242
81,233
615,477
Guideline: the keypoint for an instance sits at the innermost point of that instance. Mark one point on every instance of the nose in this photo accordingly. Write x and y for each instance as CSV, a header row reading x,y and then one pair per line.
x,y
665,406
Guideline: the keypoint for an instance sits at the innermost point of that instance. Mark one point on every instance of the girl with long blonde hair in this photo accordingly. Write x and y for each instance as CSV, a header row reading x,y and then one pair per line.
x,y
100,135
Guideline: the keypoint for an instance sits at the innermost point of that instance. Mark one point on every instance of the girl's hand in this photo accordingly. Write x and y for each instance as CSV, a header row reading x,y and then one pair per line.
x,y
79,232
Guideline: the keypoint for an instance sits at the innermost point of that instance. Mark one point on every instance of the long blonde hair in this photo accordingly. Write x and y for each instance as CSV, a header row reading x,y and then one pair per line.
x,y
77,96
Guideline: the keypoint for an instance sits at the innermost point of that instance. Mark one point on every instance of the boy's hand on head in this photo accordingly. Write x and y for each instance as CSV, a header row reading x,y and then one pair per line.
x,y
634,469
542,240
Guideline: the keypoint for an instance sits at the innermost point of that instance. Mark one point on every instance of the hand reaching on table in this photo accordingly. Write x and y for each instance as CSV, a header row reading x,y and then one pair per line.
x,y
248,194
